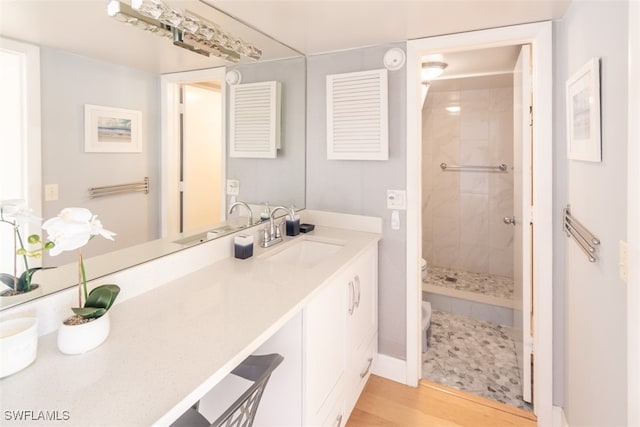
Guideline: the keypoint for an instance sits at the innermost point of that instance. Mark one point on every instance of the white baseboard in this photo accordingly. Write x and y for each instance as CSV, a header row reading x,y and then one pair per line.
x,y
559,419
391,368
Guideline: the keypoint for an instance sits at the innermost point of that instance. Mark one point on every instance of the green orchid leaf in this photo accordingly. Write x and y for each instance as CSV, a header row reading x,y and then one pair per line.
x,y
102,297
22,282
7,279
89,312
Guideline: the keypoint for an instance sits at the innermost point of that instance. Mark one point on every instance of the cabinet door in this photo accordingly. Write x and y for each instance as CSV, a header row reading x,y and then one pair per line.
x,y
362,325
324,345
362,300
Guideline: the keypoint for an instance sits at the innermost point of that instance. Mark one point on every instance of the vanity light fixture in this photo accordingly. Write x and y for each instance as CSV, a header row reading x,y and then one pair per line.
x,y
184,28
123,13
432,70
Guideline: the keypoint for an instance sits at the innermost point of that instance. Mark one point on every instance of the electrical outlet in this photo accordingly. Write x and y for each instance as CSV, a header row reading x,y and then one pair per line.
x,y
622,265
51,192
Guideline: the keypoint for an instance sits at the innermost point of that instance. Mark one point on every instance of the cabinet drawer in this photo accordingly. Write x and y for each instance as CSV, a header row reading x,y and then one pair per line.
x,y
332,413
358,370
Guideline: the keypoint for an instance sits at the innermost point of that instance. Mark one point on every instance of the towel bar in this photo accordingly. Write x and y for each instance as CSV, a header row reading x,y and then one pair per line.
x,y
502,167
585,240
112,190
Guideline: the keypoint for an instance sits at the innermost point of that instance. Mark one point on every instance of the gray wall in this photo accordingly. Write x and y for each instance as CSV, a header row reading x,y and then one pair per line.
x,y
359,187
278,181
594,297
67,83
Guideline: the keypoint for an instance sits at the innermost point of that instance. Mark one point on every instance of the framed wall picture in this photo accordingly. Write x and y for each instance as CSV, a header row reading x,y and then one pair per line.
x,y
112,130
583,113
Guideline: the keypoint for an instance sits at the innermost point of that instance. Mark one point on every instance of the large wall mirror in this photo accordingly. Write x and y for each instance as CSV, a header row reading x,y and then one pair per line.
x,y
90,59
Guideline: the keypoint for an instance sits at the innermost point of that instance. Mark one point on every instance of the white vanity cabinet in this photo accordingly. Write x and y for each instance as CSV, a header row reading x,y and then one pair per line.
x,y
362,325
340,342
324,338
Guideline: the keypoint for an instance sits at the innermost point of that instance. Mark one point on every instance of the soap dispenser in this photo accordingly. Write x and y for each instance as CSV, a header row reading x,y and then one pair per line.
x,y
292,223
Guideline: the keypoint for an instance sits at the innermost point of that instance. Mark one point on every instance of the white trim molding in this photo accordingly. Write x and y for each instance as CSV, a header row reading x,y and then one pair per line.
x,y
559,420
390,368
633,228
170,153
539,35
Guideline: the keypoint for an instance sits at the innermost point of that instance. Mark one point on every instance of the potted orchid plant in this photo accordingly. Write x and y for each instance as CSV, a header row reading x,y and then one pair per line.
x,y
89,326
15,214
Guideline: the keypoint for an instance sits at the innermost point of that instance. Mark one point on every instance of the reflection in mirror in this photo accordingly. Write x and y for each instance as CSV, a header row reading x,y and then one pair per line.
x,y
279,178
105,63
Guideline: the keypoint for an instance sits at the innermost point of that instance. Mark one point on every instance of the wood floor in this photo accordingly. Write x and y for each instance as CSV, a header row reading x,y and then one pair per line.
x,y
387,403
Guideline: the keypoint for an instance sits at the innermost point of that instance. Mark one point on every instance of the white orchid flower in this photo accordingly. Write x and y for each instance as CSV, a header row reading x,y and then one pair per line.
x,y
16,212
72,229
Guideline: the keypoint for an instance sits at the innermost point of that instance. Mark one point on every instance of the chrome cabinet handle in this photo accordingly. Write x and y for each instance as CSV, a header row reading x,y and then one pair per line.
x,y
339,421
357,279
366,371
352,294
510,220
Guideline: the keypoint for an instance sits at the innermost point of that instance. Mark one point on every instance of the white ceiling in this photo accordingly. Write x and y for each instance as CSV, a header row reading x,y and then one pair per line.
x,y
310,26
317,26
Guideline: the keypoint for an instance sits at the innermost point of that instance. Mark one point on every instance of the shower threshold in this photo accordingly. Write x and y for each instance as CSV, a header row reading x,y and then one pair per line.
x,y
479,287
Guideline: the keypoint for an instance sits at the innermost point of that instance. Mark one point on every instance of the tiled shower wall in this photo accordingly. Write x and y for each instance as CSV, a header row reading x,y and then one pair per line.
x,y
463,211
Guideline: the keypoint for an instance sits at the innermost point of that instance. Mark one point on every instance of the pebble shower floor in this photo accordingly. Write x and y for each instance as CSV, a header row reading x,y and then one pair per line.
x,y
474,356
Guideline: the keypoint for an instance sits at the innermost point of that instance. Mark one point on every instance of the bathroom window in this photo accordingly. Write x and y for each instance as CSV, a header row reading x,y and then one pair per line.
x,y
19,135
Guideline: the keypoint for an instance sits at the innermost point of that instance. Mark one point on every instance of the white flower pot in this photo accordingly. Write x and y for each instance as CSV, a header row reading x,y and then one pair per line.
x,y
18,344
9,300
78,339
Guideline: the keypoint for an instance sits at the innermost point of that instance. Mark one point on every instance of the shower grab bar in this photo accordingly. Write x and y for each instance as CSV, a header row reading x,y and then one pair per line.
x,y
502,167
112,190
583,237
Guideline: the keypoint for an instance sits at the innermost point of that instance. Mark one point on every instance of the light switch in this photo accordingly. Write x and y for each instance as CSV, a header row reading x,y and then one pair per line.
x,y
50,192
233,187
396,199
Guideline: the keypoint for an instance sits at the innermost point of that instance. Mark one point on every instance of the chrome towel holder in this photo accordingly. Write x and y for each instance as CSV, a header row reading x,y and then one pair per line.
x,y
112,190
502,167
586,241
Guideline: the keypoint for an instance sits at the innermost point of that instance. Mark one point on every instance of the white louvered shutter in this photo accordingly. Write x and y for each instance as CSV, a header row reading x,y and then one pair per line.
x,y
357,116
255,120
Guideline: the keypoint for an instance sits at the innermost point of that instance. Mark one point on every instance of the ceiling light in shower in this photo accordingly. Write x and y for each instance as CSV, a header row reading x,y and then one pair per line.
x,y
453,109
432,70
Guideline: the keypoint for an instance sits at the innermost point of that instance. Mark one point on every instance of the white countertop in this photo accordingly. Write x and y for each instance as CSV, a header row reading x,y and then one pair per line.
x,y
170,345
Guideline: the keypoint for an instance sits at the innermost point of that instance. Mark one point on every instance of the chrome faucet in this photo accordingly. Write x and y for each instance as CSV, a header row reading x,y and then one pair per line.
x,y
250,218
273,234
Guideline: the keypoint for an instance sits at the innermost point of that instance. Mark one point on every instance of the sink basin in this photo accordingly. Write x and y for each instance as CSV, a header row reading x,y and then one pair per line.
x,y
305,253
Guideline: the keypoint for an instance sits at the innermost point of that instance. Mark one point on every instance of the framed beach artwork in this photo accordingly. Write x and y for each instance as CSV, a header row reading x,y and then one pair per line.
x,y
112,130
583,113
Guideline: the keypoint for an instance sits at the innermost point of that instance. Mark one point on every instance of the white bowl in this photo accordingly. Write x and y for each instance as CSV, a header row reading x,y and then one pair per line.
x,y
18,344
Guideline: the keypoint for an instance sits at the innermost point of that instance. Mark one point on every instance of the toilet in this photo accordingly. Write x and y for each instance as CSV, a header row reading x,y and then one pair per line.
x,y
426,323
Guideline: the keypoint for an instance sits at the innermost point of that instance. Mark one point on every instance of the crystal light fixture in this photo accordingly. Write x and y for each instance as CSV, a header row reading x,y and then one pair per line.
x,y
186,29
125,14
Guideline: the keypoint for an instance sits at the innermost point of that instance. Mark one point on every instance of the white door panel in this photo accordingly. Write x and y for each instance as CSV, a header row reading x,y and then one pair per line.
x,y
202,158
522,244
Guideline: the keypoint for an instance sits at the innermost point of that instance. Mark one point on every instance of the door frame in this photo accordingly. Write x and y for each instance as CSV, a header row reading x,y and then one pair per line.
x,y
539,35
633,228
170,129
